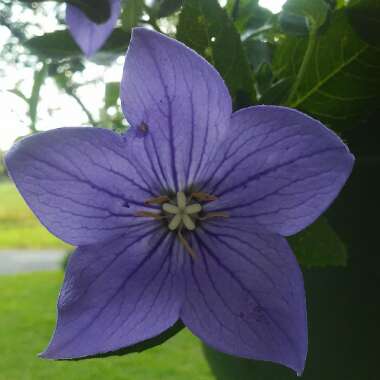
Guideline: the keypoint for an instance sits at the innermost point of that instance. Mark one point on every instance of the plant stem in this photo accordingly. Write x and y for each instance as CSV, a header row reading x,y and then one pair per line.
x,y
305,63
235,10
33,101
72,93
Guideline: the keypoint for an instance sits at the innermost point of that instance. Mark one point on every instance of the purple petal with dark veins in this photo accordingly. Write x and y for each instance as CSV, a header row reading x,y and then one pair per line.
x,y
176,102
117,294
89,35
80,182
278,167
245,294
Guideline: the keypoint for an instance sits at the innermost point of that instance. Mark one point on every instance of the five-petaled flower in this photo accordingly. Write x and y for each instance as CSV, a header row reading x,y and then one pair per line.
x,y
89,35
184,216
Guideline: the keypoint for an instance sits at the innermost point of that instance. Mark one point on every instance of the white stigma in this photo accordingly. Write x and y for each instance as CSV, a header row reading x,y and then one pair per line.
x,y
182,212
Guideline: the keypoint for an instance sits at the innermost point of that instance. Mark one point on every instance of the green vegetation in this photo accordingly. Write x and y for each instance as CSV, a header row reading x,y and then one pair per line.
x,y
19,228
27,316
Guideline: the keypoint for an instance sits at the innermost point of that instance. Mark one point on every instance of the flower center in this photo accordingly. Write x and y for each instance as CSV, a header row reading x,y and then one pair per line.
x,y
182,212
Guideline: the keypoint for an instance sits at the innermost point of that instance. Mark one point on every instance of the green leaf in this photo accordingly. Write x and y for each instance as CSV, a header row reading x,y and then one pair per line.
x,y
278,92
342,77
318,245
365,18
264,77
20,94
206,27
60,45
314,11
56,45
164,8
293,24
112,94
98,11
131,13
258,52
248,15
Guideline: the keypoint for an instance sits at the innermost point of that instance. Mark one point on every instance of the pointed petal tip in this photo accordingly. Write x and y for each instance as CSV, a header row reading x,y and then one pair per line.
x,y
47,355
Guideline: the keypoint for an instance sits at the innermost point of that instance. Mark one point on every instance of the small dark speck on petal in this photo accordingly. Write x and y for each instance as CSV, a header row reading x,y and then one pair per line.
x,y
258,314
142,130
126,204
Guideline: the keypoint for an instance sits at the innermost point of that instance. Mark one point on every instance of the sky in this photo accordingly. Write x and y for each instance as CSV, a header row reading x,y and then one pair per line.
x,y
57,109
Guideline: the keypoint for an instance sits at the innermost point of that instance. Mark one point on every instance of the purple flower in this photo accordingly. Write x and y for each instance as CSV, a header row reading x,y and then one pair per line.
x,y
183,217
89,35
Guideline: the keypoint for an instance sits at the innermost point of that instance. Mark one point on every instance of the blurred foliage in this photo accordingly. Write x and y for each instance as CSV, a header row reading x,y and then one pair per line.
x,y
318,245
206,27
2,166
320,56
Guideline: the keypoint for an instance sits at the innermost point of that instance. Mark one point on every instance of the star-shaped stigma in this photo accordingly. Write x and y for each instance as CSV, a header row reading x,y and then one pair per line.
x,y
183,212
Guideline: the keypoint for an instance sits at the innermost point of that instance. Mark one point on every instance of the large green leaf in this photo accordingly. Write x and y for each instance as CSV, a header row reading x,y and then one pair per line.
x,y
365,18
247,14
98,11
342,78
318,245
314,11
60,45
206,27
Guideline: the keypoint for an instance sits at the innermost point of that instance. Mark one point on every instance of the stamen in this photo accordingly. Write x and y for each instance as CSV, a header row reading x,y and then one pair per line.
x,y
148,214
214,215
157,201
203,197
186,245
182,213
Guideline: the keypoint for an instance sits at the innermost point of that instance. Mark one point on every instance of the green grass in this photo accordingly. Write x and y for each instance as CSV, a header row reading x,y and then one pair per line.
x,y
27,316
19,228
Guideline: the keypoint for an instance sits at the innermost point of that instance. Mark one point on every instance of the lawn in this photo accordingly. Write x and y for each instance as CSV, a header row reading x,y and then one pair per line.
x,y
27,315
19,228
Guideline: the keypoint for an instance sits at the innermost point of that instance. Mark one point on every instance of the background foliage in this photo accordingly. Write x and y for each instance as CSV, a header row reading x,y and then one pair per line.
x,y
321,57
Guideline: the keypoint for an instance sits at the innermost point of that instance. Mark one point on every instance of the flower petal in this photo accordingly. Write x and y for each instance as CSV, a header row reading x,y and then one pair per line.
x,y
80,182
176,102
89,35
245,295
117,294
278,167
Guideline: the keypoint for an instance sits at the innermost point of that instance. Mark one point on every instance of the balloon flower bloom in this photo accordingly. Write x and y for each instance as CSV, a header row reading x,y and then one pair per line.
x,y
184,216
89,35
